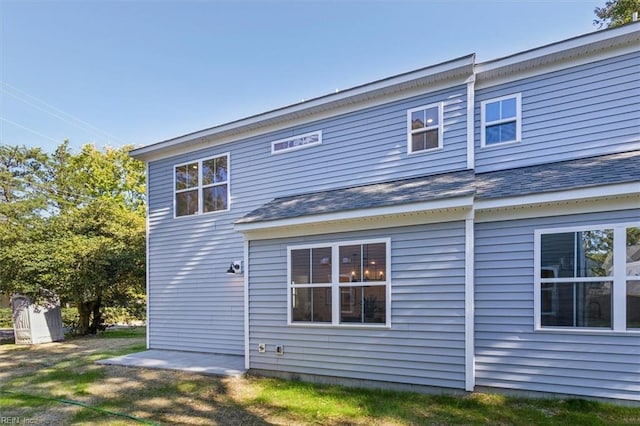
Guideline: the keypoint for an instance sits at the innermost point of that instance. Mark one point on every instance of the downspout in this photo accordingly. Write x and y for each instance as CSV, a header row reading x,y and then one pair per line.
x,y
247,350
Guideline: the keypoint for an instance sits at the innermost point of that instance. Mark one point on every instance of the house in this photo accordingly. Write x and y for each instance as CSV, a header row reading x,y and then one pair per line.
x,y
469,225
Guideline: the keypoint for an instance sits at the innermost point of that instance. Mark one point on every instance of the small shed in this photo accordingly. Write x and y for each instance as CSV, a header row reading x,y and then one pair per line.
x,y
34,324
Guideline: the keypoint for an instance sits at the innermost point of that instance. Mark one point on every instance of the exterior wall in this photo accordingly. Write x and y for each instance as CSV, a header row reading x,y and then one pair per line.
x,y
193,304
583,111
509,354
425,345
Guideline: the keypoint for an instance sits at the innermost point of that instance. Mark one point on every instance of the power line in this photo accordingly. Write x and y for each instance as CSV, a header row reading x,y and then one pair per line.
x,y
30,130
59,114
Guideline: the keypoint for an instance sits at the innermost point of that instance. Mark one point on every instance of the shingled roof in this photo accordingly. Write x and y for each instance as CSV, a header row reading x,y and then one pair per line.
x,y
551,177
573,174
407,191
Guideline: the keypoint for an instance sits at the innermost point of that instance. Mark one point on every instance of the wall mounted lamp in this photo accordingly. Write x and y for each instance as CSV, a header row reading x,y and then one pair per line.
x,y
235,267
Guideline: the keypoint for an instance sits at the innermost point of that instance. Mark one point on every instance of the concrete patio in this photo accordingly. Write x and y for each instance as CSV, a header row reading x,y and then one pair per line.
x,y
203,363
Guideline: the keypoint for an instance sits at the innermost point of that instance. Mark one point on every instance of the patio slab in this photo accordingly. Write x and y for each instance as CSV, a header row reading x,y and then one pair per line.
x,y
195,362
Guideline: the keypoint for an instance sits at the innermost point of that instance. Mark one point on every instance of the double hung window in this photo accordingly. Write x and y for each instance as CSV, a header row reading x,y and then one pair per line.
x,y
340,283
588,278
425,128
202,186
501,120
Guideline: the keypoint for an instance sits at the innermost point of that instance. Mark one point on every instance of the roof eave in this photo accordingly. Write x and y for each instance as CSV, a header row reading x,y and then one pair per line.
x,y
564,50
459,67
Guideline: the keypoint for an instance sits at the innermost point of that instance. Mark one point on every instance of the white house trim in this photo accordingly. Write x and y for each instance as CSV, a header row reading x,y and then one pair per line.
x,y
469,303
591,47
147,262
471,102
437,77
247,349
459,204
602,191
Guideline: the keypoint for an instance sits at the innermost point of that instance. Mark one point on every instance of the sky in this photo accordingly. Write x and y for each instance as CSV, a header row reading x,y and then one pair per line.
x,y
111,73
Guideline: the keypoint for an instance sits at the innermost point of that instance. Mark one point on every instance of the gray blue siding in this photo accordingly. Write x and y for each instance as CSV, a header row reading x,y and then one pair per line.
x,y
194,304
509,354
588,110
425,344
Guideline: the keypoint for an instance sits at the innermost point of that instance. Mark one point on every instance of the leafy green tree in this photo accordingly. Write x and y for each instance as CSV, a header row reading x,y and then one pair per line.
x,y
615,13
82,228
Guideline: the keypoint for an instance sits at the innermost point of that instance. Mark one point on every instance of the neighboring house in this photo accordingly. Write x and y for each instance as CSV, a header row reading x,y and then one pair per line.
x,y
465,225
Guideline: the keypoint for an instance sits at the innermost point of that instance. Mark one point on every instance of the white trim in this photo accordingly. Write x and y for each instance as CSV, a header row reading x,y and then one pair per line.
x,y
471,102
619,290
360,214
469,304
605,204
247,268
335,284
439,127
618,279
355,224
602,191
425,80
297,147
147,262
201,187
494,78
576,51
484,123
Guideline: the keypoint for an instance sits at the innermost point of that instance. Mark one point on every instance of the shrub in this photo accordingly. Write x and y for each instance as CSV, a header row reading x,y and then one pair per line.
x,y
6,321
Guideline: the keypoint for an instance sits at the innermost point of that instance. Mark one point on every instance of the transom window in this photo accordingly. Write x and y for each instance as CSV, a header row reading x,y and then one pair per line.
x,y
202,186
425,128
588,278
501,122
296,142
340,284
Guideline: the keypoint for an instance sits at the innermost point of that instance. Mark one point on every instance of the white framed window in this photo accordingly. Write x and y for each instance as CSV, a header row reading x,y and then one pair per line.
x,y
340,284
201,186
588,278
425,128
501,120
293,143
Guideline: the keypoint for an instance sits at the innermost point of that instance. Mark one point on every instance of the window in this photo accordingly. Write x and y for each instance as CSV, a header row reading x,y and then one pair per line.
x,y
340,284
425,128
500,120
588,278
296,142
202,186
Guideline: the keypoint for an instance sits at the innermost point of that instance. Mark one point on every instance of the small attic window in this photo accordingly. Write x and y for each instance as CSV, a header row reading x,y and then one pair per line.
x,y
296,142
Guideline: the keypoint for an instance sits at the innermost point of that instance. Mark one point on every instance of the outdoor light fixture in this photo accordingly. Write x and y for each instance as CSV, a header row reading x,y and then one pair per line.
x,y
235,267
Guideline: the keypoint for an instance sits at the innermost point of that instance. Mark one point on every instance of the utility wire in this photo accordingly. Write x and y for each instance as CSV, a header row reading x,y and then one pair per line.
x,y
59,114
29,130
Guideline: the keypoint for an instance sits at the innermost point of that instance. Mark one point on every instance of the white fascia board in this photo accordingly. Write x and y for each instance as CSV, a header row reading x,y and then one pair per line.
x,y
462,66
560,196
591,200
459,208
565,49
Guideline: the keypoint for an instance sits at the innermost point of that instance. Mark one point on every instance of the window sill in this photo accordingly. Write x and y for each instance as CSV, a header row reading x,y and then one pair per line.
x,y
213,213
425,151
587,331
342,326
499,145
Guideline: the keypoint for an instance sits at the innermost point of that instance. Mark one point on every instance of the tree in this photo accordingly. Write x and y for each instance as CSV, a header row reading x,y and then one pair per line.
x,y
615,13
82,227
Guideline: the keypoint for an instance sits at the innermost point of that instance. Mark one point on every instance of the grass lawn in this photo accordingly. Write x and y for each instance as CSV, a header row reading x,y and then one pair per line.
x,y
35,380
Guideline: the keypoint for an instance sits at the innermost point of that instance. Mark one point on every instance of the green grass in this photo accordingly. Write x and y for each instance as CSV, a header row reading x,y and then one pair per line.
x,y
67,371
128,332
314,404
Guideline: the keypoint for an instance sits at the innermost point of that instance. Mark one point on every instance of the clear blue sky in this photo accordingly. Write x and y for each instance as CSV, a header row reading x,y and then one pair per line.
x,y
138,72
